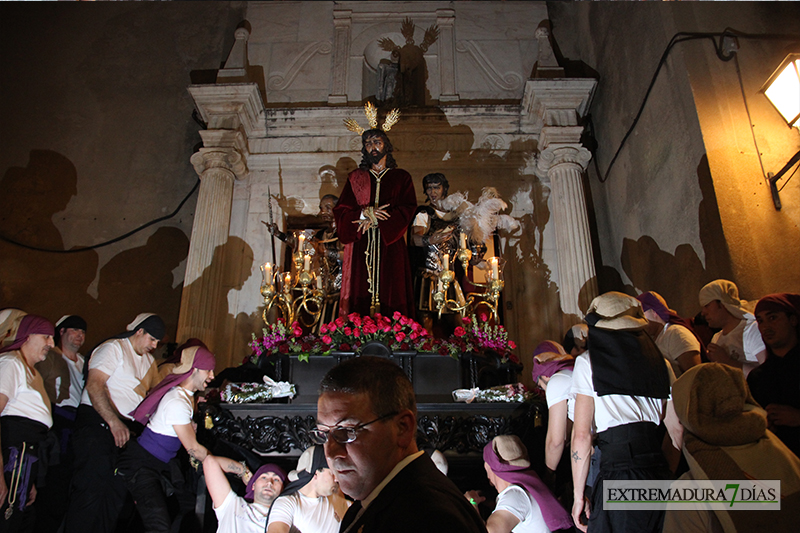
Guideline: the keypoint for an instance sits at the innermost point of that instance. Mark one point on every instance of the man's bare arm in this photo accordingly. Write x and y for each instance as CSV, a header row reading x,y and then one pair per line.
x,y
101,401
581,452
188,439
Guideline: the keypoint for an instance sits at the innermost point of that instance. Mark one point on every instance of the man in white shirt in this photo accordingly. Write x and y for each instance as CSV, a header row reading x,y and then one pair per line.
x,y
234,513
621,385
62,373
738,343
524,503
312,499
121,372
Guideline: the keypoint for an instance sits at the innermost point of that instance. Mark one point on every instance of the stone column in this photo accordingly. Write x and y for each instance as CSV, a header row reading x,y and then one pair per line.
x,y
218,166
577,279
556,107
233,113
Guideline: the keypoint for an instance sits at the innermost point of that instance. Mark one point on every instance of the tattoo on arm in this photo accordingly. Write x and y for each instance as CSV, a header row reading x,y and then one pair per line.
x,y
575,456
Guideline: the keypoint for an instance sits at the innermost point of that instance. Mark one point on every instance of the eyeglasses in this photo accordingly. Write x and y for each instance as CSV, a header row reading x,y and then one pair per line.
x,y
342,434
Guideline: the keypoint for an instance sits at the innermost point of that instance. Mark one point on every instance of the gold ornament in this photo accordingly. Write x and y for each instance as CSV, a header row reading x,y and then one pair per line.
x,y
372,117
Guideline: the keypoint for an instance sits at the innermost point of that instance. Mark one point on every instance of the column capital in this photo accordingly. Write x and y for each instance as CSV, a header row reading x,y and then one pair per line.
x,y
559,155
226,159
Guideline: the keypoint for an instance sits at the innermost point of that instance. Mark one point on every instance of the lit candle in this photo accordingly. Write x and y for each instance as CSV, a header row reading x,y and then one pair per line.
x,y
287,280
495,275
301,240
447,261
267,269
306,262
463,241
440,286
319,282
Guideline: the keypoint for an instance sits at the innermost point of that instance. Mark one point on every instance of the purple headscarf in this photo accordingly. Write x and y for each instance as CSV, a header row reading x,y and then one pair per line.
x,y
559,360
202,359
269,467
553,513
785,302
652,301
30,325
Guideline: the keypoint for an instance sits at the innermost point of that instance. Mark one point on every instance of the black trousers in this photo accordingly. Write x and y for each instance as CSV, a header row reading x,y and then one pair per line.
x,y
153,484
629,452
21,434
96,494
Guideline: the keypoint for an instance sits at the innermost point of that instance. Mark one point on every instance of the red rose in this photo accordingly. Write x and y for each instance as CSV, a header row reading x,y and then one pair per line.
x,y
399,336
348,331
512,345
356,332
484,317
283,348
459,332
323,329
397,315
327,339
344,347
397,327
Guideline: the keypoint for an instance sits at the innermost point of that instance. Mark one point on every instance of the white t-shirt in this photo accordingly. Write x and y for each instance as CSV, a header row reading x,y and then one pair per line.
x,y
75,381
614,410
174,409
23,399
313,515
675,340
744,342
519,503
235,515
125,370
559,388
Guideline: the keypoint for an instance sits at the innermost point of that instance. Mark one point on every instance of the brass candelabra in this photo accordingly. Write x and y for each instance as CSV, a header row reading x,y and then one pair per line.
x,y
469,304
297,297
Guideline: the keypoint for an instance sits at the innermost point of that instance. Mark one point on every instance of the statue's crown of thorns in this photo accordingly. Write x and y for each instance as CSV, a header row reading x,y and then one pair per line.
x,y
372,116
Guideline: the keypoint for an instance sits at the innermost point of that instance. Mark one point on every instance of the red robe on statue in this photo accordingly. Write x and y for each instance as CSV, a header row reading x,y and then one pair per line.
x,y
396,291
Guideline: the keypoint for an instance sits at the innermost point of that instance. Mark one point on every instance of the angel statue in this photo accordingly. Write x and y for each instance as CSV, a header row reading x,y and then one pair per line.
x,y
412,72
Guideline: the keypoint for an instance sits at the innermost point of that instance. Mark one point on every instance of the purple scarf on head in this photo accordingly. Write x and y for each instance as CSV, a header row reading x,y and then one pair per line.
x,y
203,360
548,368
651,302
29,325
553,513
269,467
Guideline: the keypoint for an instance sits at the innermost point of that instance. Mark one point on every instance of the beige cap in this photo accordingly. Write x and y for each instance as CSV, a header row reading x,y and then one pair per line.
x,y
618,311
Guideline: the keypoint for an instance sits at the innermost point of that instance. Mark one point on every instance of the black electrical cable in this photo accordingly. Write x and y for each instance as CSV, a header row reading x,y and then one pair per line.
x,y
722,53
112,241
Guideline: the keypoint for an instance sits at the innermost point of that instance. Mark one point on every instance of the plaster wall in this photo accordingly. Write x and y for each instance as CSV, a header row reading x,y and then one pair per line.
x,y
97,132
680,207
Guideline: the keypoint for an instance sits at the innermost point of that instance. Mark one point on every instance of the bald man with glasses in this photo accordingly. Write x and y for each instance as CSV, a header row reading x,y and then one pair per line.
x,y
367,421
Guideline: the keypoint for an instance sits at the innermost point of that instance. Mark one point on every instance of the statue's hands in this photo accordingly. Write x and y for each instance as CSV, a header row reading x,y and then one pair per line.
x,y
381,213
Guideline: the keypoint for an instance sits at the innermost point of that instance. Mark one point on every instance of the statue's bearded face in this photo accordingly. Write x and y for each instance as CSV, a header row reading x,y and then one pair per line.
x,y
376,150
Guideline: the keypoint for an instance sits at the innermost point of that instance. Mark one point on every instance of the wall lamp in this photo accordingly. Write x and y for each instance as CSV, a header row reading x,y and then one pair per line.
x,y
782,89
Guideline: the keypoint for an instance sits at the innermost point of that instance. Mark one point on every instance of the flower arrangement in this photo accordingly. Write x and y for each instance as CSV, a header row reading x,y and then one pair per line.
x,y
398,333
479,336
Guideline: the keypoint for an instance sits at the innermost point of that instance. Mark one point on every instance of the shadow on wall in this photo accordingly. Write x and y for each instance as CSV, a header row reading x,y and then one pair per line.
x,y
44,283
54,284
677,277
141,280
223,332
